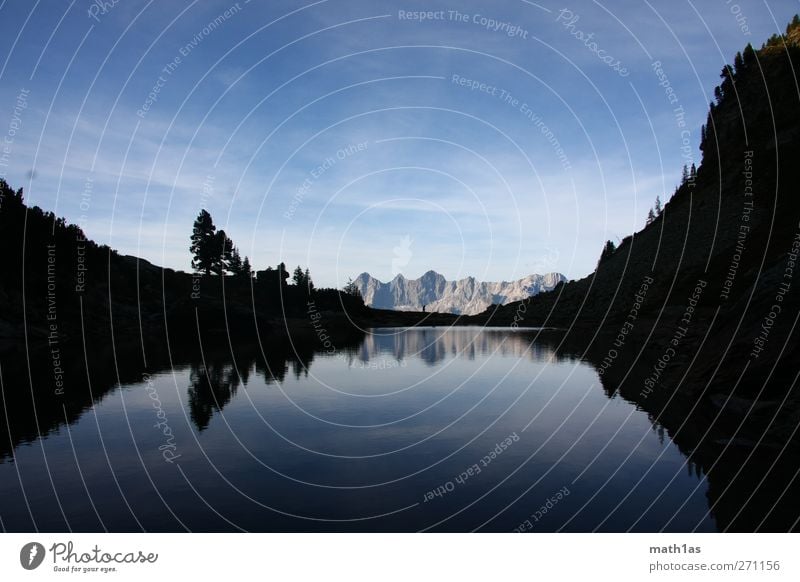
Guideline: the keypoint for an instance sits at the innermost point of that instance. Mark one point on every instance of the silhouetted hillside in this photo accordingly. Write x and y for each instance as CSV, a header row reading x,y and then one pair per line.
x,y
732,228
694,318
59,287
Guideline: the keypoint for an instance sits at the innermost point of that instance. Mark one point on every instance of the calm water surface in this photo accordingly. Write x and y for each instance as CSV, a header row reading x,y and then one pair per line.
x,y
426,429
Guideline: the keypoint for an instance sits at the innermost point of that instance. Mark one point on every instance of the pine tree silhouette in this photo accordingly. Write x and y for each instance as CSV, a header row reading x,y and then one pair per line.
x,y
203,242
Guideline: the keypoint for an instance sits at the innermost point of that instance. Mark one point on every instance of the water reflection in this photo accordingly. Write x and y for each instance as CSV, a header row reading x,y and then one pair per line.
x,y
434,344
211,387
329,439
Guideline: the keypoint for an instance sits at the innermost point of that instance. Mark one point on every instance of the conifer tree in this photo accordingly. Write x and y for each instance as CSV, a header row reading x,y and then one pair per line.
x,y
738,64
795,23
246,270
749,56
608,250
351,288
235,262
203,242
222,254
298,277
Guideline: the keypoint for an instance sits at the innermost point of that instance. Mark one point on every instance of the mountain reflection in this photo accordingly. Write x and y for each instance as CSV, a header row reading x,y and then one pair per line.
x,y
217,372
433,345
216,375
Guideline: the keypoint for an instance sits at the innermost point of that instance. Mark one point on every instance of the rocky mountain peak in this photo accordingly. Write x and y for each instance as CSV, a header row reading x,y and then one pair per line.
x,y
433,291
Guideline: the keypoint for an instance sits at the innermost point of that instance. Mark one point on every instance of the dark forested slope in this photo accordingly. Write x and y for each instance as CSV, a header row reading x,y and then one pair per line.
x,y
725,244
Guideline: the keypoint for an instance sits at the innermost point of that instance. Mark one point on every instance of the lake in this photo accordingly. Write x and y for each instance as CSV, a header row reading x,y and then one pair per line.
x,y
424,429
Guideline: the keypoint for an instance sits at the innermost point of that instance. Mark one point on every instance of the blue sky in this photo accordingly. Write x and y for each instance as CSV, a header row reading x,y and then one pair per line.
x,y
493,139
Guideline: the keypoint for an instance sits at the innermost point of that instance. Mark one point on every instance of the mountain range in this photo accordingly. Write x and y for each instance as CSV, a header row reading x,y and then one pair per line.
x,y
466,296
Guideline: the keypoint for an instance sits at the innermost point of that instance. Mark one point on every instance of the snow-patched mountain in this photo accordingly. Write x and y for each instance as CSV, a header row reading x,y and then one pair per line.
x,y
465,296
